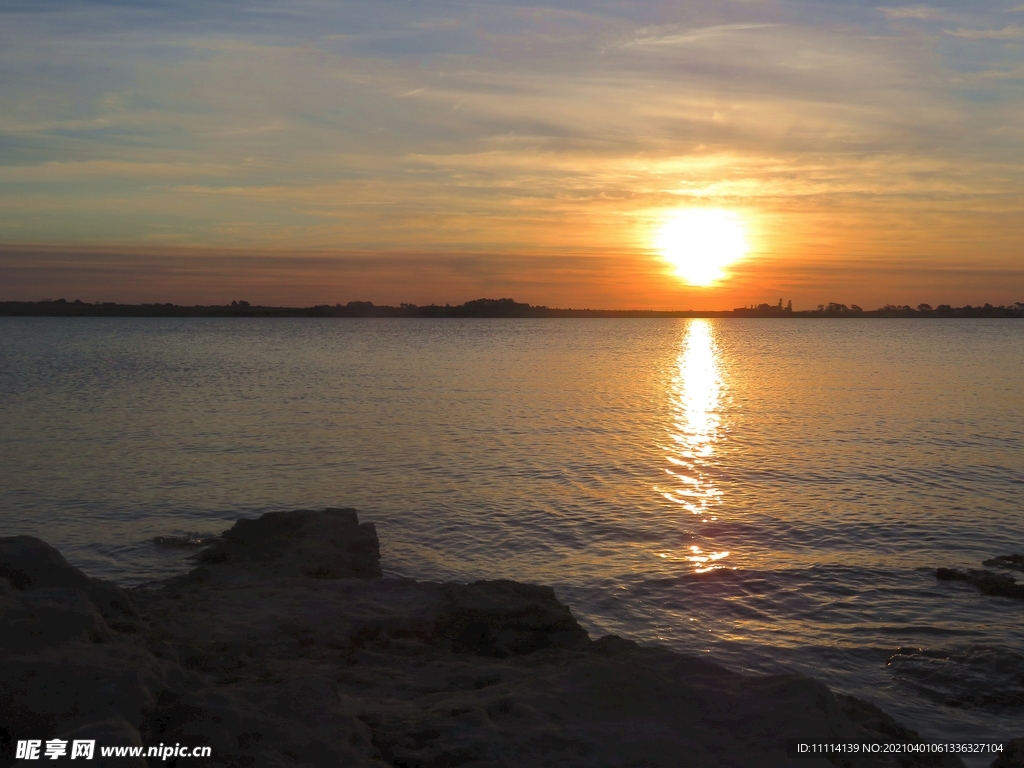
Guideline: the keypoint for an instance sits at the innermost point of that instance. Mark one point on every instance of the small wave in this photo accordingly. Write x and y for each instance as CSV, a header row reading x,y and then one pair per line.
x,y
185,541
975,677
1013,562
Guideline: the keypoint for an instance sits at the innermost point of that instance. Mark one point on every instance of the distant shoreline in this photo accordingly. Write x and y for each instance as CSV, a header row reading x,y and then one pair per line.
x,y
483,308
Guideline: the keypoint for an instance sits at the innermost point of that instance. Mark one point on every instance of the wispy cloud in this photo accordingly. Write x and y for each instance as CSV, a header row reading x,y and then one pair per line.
x,y
1004,73
923,12
1006,33
673,35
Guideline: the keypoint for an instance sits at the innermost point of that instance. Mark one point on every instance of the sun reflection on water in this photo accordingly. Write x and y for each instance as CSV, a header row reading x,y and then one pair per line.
x,y
696,397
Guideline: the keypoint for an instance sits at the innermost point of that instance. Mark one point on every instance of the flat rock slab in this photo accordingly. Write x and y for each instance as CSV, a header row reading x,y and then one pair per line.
x,y
285,647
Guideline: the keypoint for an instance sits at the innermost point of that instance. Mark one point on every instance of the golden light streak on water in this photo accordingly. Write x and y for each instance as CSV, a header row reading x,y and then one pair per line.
x,y
696,395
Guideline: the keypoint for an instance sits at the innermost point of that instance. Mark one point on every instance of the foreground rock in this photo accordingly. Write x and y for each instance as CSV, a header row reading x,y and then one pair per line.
x,y
285,647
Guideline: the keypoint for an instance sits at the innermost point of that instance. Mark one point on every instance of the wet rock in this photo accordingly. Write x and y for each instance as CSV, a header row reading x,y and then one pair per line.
x,y
1013,562
989,583
193,540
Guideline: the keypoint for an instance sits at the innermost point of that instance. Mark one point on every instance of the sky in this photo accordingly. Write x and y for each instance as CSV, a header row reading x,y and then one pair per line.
x,y
312,152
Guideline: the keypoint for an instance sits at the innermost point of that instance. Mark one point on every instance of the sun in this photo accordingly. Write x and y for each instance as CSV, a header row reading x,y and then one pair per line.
x,y
700,243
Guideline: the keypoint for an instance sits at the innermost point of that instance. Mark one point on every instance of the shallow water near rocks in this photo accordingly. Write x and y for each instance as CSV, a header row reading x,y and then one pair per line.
x,y
772,494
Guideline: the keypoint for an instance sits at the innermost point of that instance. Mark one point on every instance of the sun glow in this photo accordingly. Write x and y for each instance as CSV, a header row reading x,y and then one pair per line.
x,y
700,243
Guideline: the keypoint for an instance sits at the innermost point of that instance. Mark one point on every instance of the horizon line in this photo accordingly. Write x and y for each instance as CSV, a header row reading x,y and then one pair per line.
x,y
482,307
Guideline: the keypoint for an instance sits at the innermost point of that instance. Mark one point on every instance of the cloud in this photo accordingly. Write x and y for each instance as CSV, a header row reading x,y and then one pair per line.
x,y
923,12
998,73
672,35
1006,33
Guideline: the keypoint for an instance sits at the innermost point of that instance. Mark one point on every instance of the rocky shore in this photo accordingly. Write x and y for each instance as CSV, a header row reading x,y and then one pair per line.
x,y
285,647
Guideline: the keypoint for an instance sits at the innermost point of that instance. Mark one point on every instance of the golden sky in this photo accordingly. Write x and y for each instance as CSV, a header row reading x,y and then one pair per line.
x,y
315,152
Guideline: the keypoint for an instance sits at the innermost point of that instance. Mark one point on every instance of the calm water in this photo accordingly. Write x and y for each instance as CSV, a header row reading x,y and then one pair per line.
x,y
771,493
